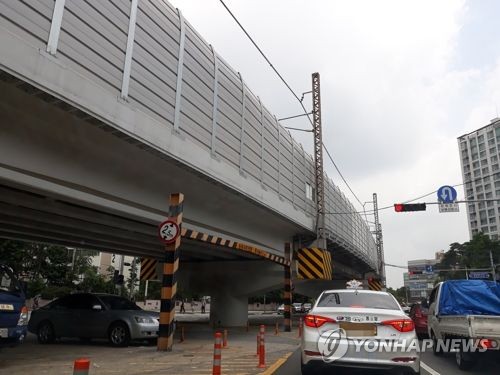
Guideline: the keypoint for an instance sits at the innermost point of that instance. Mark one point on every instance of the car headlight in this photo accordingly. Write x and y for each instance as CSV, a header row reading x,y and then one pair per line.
x,y
23,317
141,319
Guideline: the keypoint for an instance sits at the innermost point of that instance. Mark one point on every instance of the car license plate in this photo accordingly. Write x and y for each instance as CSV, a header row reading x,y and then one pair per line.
x,y
359,329
4,332
7,307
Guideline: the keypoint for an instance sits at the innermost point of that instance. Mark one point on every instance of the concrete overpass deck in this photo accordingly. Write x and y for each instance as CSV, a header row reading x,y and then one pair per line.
x,y
108,107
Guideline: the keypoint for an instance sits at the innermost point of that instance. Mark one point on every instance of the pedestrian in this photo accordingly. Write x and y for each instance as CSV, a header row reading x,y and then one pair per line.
x,y
183,309
203,304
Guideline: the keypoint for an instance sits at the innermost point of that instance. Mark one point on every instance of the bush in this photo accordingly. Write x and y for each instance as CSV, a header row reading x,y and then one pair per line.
x,y
52,291
35,287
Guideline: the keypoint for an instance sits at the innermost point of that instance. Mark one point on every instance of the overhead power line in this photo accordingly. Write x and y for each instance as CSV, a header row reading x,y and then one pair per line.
x,y
417,198
267,60
299,130
300,100
341,176
292,117
395,266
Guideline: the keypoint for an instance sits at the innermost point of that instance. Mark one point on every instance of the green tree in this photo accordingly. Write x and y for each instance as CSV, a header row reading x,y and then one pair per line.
x,y
133,278
46,266
473,254
154,290
400,294
12,253
95,282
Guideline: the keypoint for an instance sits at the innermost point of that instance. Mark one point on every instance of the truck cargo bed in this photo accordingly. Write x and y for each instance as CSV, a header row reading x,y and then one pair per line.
x,y
474,326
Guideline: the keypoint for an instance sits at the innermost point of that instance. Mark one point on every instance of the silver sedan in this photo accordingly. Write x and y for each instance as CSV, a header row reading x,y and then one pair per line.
x,y
359,328
88,316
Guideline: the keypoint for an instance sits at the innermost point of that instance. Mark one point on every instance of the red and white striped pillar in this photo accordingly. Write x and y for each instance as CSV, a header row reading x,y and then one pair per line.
x,y
216,369
262,348
81,366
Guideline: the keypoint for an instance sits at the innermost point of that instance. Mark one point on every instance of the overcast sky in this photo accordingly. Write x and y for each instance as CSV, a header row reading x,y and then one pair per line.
x,y
400,81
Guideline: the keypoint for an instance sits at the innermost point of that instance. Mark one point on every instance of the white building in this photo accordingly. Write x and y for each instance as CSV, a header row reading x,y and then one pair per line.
x,y
122,263
421,277
481,176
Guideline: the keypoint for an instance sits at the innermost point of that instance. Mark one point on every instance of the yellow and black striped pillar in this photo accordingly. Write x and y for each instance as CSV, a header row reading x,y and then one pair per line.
x,y
169,282
287,295
148,269
314,263
375,284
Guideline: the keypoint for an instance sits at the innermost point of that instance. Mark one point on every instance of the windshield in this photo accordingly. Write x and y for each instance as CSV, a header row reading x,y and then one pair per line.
x,y
7,282
118,303
358,300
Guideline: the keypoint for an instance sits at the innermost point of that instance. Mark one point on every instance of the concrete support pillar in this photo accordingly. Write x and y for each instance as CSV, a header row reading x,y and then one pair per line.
x,y
169,279
287,293
227,310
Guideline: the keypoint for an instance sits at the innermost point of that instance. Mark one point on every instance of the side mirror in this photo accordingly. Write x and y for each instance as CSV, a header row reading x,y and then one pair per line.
x,y
97,307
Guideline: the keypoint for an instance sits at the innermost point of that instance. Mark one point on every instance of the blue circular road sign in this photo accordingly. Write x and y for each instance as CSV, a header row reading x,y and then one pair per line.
x,y
447,194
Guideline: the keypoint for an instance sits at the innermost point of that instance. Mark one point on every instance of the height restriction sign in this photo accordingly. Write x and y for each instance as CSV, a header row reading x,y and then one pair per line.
x,y
168,231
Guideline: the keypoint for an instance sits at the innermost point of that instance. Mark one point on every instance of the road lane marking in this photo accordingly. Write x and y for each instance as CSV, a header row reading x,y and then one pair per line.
x,y
276,365
429,369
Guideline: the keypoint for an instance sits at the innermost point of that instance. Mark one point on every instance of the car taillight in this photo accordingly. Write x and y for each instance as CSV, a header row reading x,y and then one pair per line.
x,y
487,344
316,321
402,325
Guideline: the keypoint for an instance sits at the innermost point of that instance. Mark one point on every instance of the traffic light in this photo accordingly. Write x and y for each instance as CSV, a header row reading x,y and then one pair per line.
x,y
405,207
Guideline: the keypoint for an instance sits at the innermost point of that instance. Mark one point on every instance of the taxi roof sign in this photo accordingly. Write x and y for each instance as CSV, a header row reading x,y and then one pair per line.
x,y
354,284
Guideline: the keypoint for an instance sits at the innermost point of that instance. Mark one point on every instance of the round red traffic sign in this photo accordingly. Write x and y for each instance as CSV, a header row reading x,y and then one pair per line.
x,y
168,231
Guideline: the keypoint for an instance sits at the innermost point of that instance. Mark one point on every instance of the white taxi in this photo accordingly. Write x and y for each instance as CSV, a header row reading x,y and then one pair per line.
x,y
359,328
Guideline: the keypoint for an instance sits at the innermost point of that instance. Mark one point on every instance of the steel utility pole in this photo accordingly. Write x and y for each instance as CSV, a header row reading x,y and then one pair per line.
x,y
493,273
378,239
318,163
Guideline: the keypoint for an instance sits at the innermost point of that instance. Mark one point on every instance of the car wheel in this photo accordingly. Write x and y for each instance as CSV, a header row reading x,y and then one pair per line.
x,y
45,333
465,361
306,369
410,372
437,351
119,334
422,336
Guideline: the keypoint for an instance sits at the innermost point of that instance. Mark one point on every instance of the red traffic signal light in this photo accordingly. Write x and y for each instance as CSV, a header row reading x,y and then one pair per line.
x,y
405,207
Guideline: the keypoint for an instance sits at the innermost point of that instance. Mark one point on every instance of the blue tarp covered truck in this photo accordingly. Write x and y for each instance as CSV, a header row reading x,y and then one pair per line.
x,y
13,312
464,317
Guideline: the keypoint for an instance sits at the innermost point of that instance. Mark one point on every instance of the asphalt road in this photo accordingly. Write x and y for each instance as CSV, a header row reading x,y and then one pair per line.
x,y
430,365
